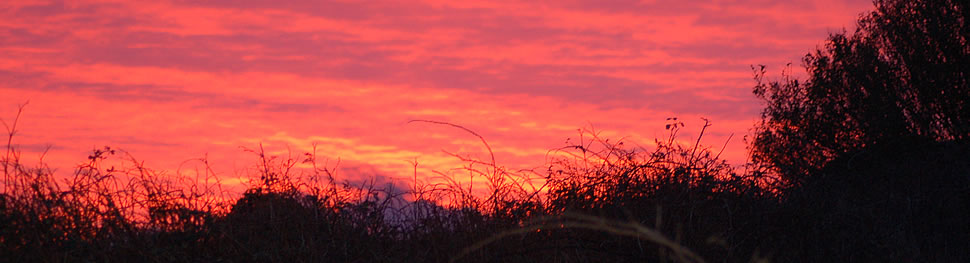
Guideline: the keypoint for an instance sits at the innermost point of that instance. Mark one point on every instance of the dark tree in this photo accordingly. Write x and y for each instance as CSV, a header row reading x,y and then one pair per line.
x,y
902,75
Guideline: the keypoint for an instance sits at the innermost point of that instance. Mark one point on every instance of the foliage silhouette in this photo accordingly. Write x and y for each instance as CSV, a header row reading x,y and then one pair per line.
x,y
128,212
871,150
903,201
904,72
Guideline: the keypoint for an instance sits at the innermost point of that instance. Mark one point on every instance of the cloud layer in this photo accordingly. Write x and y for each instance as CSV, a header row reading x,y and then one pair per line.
x,y
174,80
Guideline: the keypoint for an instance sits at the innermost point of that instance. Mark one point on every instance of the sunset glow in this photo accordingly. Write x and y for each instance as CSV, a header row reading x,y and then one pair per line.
x,y
173,81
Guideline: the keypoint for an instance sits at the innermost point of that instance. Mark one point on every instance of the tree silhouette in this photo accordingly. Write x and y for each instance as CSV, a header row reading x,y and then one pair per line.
x,y
902,75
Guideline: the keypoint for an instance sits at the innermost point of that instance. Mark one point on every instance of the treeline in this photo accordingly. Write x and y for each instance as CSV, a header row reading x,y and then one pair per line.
x,y
868,159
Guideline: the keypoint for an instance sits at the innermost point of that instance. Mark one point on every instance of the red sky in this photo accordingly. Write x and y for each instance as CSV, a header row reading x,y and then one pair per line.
x,y
169,81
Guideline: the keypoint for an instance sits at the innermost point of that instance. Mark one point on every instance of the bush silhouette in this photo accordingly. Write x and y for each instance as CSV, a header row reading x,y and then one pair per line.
x,y
903,72
872,148
905,200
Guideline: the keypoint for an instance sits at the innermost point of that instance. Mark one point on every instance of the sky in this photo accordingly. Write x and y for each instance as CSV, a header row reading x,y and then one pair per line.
x,y
174,81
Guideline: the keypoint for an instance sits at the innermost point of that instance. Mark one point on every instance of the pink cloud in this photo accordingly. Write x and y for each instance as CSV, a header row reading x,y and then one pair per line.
x,y
174,80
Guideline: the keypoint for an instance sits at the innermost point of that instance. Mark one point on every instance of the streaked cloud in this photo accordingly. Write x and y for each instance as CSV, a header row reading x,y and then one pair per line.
x,y
174,80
